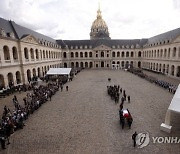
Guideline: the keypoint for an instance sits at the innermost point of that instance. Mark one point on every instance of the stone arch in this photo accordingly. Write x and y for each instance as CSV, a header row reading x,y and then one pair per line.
x,y
169,52
6,53
29,75
65,65
127,64
72,64
118,54
32,53
131,64
77,64
178,71
139,64
45,69
165,53
157,66
102,54
90,54
15,53
122,54
39,72
26,55
72,55
34,72
102,64
127,54
163,68
81,64
10,77
90,64
47,54
132,54
122,63
160,68
18,77
86,54
113,54
77,55
86,64
2,83
174,52
172,70
64,55
81,54
37,54
167,69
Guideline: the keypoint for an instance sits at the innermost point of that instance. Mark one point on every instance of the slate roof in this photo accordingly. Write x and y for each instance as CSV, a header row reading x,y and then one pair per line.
x,y
170,35
6,26
20,31
95,43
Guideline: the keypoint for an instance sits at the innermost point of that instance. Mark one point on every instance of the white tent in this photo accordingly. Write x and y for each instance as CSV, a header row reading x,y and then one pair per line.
x,y
173,107
59,71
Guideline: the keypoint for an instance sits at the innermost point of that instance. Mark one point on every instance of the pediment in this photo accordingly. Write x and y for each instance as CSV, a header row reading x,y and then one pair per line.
x,y
29,39
177,39
102,47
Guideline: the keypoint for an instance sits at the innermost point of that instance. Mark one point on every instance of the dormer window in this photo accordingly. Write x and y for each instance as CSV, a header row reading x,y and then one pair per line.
x,y
2,32
137,46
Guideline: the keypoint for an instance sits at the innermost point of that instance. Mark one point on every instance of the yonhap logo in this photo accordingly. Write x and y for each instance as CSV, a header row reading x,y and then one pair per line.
x,y
142,139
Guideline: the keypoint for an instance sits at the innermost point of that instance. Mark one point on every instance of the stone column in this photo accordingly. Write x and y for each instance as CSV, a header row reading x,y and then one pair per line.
x,y
166,125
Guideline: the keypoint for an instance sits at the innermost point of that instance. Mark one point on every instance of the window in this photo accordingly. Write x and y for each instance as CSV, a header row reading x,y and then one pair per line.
x,y
113,54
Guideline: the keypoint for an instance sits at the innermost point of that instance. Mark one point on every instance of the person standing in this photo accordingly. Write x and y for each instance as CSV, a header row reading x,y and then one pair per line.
x,y
134,139
2,138
129,99
67,88
61,87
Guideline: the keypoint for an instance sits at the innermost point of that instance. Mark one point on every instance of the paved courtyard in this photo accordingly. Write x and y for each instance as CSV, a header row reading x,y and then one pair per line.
x,y
85,120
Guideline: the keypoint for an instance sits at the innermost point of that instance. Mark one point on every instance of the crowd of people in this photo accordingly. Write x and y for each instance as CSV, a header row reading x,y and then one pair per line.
x,y
13,120
170,87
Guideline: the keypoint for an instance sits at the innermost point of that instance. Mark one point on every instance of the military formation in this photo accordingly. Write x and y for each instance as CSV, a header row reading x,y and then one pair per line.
x,y
117,93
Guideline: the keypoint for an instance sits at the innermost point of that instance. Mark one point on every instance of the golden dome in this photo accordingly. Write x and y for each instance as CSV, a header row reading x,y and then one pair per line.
x,y
99,29
99,22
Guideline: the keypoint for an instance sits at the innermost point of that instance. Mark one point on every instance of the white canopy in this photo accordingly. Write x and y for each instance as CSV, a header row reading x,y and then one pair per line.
x,y
173,107
59,71
175,103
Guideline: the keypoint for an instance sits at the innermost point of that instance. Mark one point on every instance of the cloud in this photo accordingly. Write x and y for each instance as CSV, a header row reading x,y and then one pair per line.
x,y
72,19
176,4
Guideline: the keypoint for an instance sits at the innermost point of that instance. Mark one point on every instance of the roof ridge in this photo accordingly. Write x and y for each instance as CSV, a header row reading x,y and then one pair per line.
x,y
13,28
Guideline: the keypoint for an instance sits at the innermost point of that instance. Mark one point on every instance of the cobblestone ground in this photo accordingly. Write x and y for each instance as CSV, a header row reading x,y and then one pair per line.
x,y
85,120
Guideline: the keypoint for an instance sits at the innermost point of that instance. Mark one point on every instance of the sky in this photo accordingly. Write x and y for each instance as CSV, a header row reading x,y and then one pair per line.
x,y
72,19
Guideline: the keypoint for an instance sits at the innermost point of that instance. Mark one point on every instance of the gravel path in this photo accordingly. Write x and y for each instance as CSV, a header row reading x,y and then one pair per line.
x,y
84,120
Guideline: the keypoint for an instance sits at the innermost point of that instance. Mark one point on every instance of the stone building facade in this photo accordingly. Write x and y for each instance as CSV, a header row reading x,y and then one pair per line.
x,y
25,53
